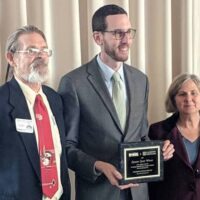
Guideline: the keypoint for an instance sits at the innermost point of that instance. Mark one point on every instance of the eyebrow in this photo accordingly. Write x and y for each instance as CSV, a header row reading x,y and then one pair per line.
x,y
33,46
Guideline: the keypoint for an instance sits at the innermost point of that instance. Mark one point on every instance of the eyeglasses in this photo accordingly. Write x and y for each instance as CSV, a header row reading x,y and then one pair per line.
x,y
32,52
119,34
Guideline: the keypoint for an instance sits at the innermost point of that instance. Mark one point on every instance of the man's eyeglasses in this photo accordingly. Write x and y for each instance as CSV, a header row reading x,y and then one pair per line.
x,y
32,52
119,34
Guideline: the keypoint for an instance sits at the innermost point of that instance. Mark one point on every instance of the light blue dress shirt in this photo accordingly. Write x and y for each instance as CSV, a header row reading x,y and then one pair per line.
x,y
107,73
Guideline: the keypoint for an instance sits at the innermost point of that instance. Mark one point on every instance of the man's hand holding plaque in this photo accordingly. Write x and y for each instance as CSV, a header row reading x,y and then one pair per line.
x,y
112,174
116,177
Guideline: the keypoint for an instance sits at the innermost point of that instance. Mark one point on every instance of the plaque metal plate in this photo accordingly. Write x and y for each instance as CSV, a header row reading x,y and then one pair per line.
x,y
141,162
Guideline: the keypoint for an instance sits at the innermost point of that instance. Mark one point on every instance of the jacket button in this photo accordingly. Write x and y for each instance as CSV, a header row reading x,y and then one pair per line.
x,y
197,173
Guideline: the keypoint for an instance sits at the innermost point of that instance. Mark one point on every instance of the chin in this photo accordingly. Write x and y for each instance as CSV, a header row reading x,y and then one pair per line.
x,y
36,78
123,59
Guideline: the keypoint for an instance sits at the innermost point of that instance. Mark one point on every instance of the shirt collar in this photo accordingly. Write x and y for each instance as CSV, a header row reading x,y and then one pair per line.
x,y
28,92
107,71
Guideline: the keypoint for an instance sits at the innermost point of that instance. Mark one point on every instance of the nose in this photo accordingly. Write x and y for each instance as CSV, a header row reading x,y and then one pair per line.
x,y
40,54
126,38
188,97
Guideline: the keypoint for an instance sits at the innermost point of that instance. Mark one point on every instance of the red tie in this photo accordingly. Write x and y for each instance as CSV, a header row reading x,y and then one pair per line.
x,y
49,174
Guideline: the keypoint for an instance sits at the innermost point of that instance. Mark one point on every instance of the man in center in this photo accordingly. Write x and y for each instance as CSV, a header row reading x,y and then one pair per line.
x,y
105,104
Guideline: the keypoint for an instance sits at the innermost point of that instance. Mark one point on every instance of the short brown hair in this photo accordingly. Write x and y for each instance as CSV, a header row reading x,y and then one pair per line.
x,y
176,84
99,17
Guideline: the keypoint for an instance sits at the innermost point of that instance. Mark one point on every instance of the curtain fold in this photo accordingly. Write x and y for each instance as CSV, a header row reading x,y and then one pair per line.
x,y
196,36
167,41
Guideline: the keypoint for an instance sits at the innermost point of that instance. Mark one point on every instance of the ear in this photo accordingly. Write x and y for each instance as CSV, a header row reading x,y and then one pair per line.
x,y
10,58
98,37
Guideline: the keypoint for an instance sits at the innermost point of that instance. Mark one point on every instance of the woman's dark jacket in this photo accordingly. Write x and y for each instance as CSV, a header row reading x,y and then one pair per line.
x,y
181,179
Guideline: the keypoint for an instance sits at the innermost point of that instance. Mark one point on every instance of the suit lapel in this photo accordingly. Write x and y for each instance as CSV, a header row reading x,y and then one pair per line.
x,y
95,78
176,139
20,110
130,87
197,163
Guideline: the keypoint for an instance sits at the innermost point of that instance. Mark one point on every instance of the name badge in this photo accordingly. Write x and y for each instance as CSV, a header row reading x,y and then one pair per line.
x,y
24,125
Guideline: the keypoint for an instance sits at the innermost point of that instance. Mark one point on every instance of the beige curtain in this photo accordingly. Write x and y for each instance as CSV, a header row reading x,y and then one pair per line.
x,y
167,42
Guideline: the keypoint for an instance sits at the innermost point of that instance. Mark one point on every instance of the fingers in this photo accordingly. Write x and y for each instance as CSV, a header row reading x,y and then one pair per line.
x,y
112,174
130,185
117,177
117,174
168,150
109,171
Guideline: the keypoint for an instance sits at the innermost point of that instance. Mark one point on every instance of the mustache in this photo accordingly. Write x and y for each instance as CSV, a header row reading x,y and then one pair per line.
x,y
124,45
38,62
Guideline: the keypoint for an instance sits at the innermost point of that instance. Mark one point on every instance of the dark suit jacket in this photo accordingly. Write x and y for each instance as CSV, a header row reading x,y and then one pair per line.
x,y
181,180
19,161
93,128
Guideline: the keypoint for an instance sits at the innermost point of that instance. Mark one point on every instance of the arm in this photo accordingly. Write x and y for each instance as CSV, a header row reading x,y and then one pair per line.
x,y
79,161
154,134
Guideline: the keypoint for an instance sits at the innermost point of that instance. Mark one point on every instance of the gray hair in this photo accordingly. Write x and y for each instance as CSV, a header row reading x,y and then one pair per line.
x,y
12,43
175,86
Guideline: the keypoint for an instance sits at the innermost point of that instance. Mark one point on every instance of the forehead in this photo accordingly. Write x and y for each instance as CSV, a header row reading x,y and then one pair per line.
x,y
189,85
120,21
31,39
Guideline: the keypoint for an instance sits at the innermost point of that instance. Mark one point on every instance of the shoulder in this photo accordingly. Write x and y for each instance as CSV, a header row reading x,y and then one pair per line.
x,y
51,94
49,90
81,71
136,80
160,129
73,77
10,87
4,88
79,76
134,70
135,74
168,122
4,94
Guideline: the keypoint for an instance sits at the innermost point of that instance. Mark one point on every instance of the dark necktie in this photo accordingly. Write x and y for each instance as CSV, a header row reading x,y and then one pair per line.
x,y
49,176
119,98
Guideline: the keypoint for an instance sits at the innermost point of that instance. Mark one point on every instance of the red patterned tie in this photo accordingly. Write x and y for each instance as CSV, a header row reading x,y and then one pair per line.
x,y
48,168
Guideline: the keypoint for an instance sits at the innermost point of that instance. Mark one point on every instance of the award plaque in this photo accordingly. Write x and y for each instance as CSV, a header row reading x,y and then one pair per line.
x,y
141,162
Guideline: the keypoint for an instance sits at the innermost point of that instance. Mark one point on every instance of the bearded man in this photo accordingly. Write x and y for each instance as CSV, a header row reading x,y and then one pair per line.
x,y
105,104
33,161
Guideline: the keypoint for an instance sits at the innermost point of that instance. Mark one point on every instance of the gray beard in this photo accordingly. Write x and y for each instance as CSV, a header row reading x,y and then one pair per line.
x,y
35,77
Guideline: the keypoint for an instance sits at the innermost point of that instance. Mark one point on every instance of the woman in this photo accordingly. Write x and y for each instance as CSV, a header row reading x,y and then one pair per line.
x,y
182,172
